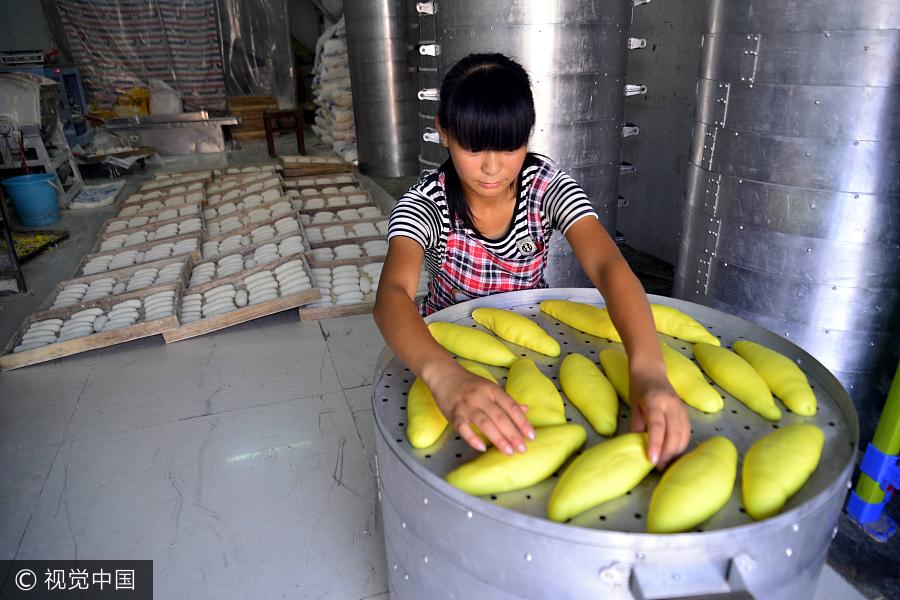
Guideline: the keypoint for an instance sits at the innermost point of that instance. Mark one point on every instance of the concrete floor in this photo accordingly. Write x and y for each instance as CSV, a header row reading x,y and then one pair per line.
x,y
240,462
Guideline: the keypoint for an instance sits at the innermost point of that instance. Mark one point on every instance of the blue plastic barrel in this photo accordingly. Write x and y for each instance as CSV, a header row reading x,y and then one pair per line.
x,y
34,197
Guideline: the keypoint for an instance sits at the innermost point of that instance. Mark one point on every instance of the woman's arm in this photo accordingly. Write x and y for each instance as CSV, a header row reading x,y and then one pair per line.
x,y
463,397
656,406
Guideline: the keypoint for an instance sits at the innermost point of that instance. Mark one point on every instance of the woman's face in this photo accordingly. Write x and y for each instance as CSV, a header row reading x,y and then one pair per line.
x,y
489,173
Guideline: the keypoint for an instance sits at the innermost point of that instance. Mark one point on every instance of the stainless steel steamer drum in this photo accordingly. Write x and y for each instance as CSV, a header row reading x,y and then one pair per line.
x,y
443,543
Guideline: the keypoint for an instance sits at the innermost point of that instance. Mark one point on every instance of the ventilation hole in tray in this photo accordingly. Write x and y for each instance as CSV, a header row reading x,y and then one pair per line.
x,y
523,354
406,381
390,374
403,407
569,419
399,440
568,520
719,336
528,496
400,423
551,365
602,517
427,456
458,455
565,343
558,324
742,509
831,423
624,416
458,438
404,393
493,497
384,399
554,379
699,530
473,325
747,427
683,348
774,425
405,369
718,428
638,516
387,386
628,493
592,352
734,412
723,397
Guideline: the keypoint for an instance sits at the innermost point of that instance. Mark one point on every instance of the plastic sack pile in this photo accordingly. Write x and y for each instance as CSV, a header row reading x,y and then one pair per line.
x,y
331,91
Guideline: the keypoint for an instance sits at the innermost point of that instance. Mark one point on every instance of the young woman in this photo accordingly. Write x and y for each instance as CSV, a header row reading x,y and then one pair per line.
x,y
482,222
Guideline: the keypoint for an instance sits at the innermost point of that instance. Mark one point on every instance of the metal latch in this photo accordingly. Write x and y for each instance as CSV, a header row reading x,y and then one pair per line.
x,y
630,129
635,43
632,89
429,94
640,2
431,135
426,8
430,49
626,168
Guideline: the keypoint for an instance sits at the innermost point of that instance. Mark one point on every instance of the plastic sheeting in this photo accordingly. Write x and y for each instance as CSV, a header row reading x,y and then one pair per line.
x,y
256,45
204,49
331,91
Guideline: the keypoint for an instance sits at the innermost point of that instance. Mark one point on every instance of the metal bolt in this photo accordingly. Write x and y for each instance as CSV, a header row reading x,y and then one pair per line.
x,y
866,48
795,527
788,552
676,576
827,34
746,52
469,514
425,558
741,227
807,153
856,143
406,577
529,558
809,249
403,525
812,205
395,566
740,181
856,196
818,102
425,500
736,134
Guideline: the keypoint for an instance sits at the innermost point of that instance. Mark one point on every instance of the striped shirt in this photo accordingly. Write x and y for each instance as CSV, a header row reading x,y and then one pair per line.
x,y
422,214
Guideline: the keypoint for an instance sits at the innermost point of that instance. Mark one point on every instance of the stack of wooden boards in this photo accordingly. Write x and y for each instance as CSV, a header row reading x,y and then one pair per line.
x,y
224,246
347,237
250,110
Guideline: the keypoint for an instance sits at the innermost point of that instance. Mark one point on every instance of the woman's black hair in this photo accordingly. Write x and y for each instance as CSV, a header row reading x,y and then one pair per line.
x,y
485,104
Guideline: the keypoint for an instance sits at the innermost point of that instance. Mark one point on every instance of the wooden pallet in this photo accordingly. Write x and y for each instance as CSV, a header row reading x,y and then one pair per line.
x,y
106,234
195,255
225,185
247,313
246,251
165,186
149,228
242,210
244,217
141,329
197,174
250,110
246,168
144,210
301,165
301,183
246,231
122,275
143,198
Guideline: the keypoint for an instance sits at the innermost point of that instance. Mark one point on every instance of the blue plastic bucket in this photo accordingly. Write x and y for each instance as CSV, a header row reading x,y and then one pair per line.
x,y
34,197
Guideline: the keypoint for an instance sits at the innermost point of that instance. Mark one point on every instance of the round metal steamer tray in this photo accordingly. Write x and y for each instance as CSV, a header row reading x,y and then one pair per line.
x,y
443,543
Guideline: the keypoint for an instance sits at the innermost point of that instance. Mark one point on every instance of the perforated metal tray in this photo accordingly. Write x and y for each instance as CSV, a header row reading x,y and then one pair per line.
x,y
836,416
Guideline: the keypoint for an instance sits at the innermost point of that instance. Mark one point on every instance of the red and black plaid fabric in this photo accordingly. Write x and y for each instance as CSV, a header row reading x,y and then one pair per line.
x,y
469,270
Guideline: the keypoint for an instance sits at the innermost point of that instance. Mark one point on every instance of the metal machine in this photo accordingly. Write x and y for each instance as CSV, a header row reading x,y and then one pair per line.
x,y
443,543
574,51
31,132
382,69
793,200
176,134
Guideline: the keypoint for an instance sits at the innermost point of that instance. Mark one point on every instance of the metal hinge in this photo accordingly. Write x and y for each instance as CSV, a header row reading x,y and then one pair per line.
x,y
640,2
749,59
430,49
431,135
636,43
632,89
429,94
426,8
630,129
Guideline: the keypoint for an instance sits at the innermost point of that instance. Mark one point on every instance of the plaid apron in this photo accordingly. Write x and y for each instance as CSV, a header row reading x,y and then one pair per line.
x,y
469,270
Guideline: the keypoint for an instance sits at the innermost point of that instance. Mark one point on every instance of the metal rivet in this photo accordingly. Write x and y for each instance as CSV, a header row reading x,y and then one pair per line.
x,y
741,227
425,500
788,552
676,576
795,527
736,133
812,205
818,102
856,196
827,34
425,558
395,566
807,153
406,577
809,249
856,143
529,558
469,514
403,525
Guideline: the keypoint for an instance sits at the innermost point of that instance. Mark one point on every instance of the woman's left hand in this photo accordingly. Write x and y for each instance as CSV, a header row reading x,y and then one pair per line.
x,y
656,408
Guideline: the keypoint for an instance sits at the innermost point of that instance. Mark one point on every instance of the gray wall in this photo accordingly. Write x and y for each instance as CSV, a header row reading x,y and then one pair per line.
x,y
23,26
304,22
651,219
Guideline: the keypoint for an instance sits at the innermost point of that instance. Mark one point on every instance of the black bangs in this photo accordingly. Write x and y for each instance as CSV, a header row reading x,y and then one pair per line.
x,y
490,109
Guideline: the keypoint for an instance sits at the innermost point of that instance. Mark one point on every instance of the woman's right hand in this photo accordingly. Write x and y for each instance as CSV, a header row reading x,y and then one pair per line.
x,y
467,399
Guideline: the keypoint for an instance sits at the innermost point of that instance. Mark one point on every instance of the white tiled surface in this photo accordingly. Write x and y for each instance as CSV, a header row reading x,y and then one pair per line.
x,y
240,462
233,460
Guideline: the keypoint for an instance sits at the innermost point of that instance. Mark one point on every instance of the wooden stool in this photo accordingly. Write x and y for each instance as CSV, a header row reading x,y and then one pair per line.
x,y
272,120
